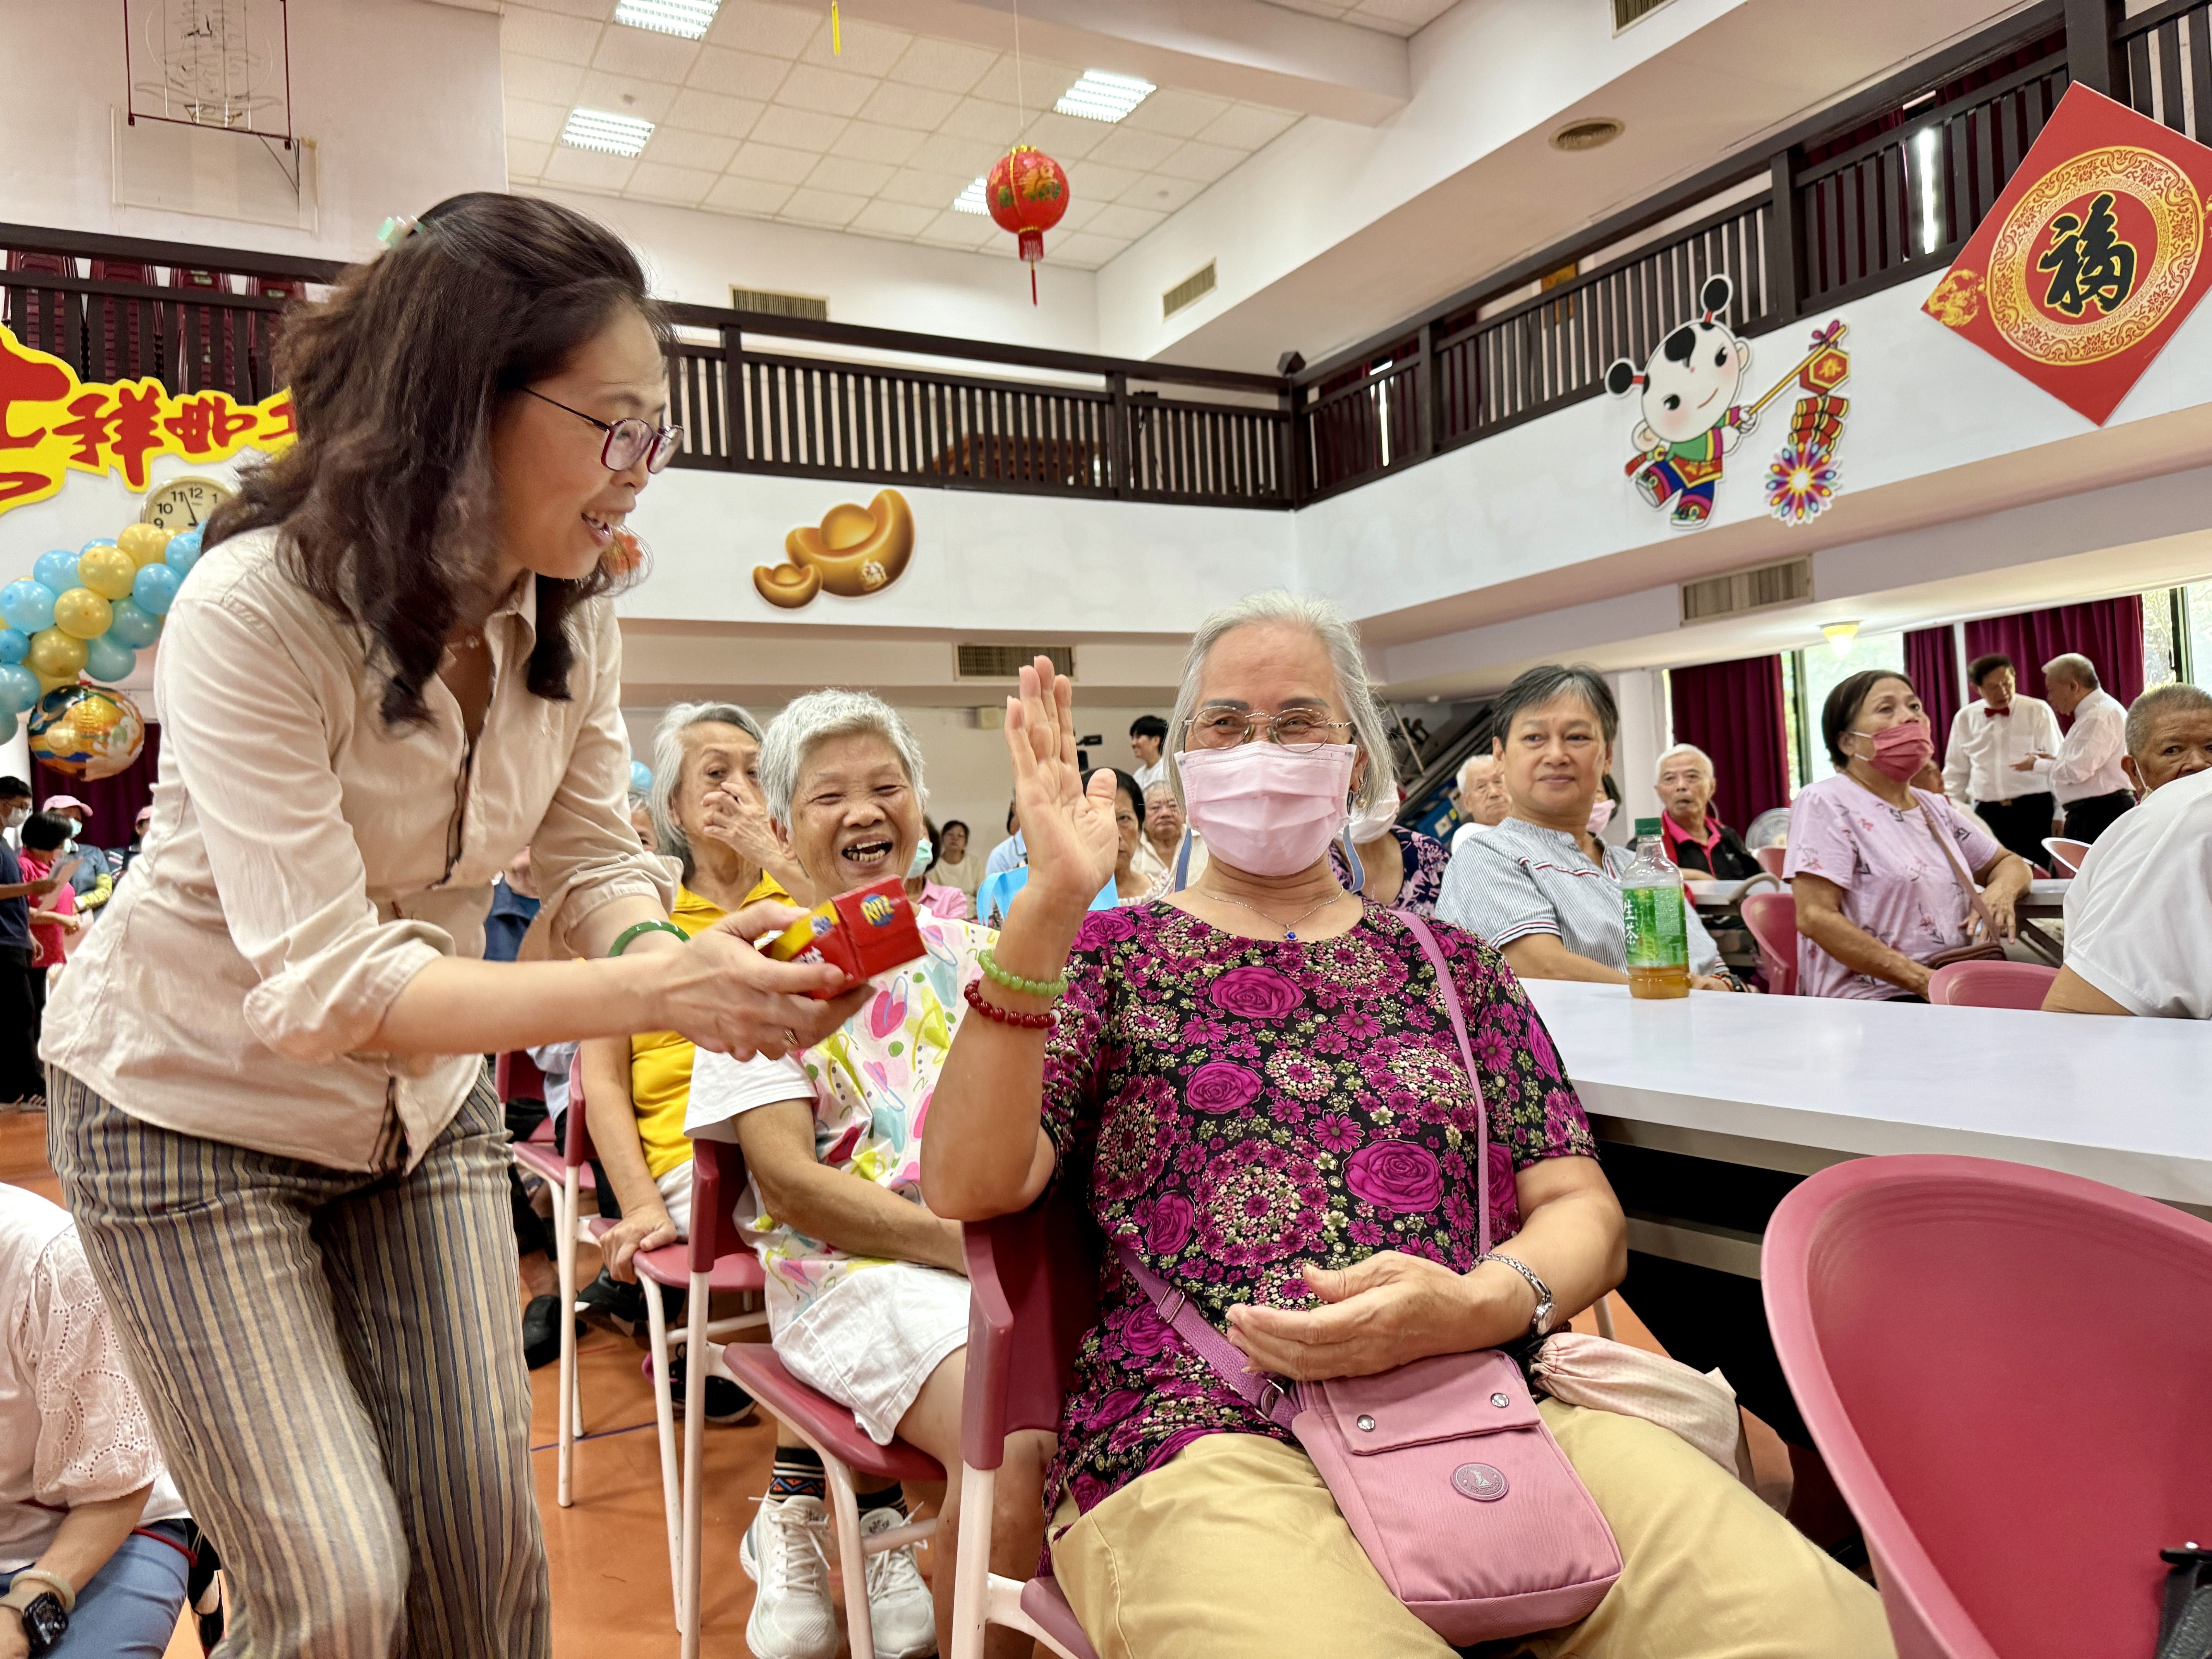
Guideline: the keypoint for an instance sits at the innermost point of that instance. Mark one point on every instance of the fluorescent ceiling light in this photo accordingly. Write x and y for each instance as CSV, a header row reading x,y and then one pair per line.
x,y
689,18
609,135
970,200
1102,97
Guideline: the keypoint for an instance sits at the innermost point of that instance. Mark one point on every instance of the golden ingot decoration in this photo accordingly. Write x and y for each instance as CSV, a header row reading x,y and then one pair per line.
x,y
854,551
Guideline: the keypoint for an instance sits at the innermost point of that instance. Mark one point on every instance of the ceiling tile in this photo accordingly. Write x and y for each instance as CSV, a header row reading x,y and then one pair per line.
x,y
783,167
622,95
942,153
657,183
846,177
1080,213
917,187
732,194
539,78
942,66
737,74
821,207
1083,251
527,157
598,10
1177,113
961,230
864,141
1202,162
1158,193
534,33
1124,146
1065,138
797,129
1248,126
891,219
1123,221
644,54
1314,8
992,124
827,91
871,49
898,105
782,31
588,168
539,122
675,147
730,118
1397,17
1037,86
1094,181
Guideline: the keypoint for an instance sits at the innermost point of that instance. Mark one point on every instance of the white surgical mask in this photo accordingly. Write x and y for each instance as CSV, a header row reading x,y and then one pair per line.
x,y
1373,823
923,852
17,817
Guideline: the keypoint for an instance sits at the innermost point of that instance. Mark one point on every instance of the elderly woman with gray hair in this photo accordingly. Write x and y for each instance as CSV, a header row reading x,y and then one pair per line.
x,y
1253,1089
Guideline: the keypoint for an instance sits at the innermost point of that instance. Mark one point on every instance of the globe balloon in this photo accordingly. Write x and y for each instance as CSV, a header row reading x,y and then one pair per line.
x,y
87,731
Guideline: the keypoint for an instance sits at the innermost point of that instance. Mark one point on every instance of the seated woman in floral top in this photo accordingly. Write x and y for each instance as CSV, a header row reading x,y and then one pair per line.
x,y
1254,1084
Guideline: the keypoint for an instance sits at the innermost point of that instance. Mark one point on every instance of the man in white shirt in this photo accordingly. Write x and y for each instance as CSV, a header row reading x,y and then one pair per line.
x,y
1148,736
2085,773
2139,916
1482,801
1988,764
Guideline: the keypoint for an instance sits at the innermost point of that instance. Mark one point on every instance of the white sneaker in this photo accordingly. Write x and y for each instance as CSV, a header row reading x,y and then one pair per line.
x,y
899,1603
786,1553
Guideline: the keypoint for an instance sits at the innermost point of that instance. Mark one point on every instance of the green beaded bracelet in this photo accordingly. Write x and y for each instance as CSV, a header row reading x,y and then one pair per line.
x,y
1050,989
622,938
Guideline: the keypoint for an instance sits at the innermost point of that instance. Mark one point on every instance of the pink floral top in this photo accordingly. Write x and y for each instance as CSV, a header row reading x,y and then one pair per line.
x,y
1237,1107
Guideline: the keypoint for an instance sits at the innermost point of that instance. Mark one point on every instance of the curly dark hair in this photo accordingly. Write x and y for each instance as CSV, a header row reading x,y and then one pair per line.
x,y
387,499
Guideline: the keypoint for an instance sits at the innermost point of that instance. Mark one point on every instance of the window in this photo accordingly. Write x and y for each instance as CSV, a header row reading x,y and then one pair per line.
x,y
2163,643
1800,768
1819,671
2196,643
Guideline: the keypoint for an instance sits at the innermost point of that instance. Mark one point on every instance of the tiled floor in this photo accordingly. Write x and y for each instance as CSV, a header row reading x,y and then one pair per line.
x,y
608,1552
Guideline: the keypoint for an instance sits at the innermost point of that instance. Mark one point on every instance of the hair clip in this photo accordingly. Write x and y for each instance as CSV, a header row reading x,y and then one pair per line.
x,y
397,229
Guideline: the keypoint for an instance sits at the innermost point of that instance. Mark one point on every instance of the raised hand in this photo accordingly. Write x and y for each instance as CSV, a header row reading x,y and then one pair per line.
x,y
1072,837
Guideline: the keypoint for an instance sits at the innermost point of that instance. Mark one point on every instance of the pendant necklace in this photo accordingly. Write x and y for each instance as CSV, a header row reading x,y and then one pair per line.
x,y
1290,933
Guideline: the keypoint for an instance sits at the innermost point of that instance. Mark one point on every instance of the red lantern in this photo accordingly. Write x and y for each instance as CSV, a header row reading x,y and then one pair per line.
x,y
1027,192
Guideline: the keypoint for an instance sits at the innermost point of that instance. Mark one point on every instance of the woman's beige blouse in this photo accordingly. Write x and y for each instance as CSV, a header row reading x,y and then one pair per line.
x,y
305,862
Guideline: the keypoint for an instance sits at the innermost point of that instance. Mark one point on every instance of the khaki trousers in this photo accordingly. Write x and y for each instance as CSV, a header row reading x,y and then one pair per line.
x,y
1235,1548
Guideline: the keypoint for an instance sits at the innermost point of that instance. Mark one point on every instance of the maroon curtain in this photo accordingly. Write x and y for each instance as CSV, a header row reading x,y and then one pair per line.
x,y
1734,712
2109,633
112,804
1931,659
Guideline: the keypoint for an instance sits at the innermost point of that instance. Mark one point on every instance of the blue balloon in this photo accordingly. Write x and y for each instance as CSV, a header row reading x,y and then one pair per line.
x,y
128,621
107,659
15,644
640,776
155,590
27,605
56,572
7,727
183,552
19,689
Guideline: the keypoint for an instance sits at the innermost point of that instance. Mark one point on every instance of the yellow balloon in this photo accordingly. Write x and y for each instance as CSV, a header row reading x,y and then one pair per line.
x,y
145,543
55,655
108,572
82,613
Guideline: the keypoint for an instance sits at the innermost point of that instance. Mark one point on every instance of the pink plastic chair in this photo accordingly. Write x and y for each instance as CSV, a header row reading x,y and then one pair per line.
x,y
1034,1277
1991,984
2066,855
718,1176
2004,1369
1772,919
1771,859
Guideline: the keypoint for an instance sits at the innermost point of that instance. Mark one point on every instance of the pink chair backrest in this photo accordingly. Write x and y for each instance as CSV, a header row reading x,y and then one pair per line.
x,y
1772,919
1035,1278
2004,1369
718,1176
1991,984
1771,859
576,1149
2066,855
516,1076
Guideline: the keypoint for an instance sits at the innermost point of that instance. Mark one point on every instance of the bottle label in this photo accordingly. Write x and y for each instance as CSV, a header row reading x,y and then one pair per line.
x,y
1657,936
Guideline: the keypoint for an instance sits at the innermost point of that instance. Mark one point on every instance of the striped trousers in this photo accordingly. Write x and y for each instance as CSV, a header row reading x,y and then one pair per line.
x,y
332,1362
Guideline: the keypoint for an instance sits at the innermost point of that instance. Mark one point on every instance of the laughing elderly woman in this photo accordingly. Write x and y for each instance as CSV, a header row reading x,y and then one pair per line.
x,y
1253,1084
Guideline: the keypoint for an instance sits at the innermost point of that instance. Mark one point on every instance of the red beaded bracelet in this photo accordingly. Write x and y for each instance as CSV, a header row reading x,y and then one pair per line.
x,y
1043,1021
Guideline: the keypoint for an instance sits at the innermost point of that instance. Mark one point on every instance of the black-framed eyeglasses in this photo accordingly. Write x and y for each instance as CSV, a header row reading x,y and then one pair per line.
x,y
627,439
1295,728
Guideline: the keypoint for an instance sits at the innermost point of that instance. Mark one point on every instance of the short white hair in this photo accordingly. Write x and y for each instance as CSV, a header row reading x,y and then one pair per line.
x,y
1480,757
668,769
2073,666
1703,760
831,713
1321,619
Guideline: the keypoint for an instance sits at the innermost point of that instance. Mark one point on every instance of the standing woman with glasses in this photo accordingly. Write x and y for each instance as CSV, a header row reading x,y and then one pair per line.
x,y
395,669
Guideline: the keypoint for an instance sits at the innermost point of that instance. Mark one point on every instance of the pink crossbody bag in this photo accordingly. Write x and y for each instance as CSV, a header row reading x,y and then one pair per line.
x,y
1443,1469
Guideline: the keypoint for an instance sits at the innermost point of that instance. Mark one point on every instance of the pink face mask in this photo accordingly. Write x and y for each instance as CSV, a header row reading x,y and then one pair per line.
x,y
1264,809
1899,752
1601,814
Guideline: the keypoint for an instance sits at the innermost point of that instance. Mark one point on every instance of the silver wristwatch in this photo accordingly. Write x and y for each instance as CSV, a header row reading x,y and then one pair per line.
x,y
1540,1323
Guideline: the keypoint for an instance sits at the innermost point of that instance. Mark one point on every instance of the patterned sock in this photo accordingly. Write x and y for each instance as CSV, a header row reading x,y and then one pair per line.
x,y
890,1497
797,1473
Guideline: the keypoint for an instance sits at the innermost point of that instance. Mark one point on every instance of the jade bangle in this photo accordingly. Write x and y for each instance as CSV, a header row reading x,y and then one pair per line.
x,y
623,939
1050,989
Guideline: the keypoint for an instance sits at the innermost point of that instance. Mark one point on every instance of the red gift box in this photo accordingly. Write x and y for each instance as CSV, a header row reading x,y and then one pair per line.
x,y
866,932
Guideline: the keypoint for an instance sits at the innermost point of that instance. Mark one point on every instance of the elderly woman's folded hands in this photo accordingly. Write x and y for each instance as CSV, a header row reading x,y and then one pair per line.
x,y
1386,1310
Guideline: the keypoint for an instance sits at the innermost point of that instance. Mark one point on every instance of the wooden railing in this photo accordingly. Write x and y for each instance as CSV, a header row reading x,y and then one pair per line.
x,y
2167,50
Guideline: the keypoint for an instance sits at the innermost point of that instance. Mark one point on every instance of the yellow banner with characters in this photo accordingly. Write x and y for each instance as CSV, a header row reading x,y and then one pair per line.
x,y
52,424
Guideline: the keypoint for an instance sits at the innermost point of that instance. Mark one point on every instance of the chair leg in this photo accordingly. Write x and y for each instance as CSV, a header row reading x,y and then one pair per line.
x,y
1603,1310
571,1400
664,1414
694,1434
852,1557
971,1582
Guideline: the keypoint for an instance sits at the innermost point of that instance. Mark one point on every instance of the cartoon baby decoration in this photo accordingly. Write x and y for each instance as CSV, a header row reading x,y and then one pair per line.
x,y
1692,420
855,550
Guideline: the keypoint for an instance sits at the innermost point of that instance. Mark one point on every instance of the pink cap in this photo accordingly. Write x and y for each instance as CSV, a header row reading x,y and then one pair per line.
x,y
61,803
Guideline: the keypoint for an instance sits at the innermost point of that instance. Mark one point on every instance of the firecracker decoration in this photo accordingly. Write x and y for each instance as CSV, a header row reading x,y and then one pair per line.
x,y
1027,193
1801,482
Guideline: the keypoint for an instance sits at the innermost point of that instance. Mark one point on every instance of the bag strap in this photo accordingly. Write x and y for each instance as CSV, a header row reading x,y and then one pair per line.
x,y
1958,868
1449,991
2184,1626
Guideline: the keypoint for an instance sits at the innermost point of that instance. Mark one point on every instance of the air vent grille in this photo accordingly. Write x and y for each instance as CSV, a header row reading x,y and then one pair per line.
x,y
1006,662
808,308
1759,588
1626,12
1188,292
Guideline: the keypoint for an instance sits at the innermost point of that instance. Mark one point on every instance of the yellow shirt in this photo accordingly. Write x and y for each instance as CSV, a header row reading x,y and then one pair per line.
x,y
660,1061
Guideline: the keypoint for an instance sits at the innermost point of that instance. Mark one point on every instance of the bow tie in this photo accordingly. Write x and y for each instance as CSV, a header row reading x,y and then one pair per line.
x,y
2004,713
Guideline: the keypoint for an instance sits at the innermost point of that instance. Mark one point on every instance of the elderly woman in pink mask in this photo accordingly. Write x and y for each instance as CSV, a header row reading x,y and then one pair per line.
x,y
1881,869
